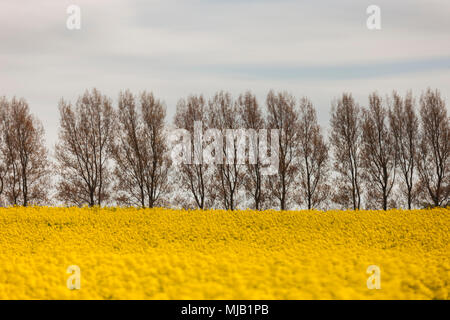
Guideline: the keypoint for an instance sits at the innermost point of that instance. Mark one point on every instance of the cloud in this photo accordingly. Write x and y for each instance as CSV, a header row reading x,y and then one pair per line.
x,y
174,48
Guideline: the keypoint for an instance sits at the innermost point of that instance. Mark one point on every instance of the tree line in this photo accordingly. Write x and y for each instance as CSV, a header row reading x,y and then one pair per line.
x,y
394,152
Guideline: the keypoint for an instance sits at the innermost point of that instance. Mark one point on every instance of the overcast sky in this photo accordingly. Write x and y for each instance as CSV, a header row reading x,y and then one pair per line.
x,y
174,48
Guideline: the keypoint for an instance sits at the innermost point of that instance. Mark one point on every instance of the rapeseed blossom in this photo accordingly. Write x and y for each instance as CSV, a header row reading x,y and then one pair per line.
x,y
129,253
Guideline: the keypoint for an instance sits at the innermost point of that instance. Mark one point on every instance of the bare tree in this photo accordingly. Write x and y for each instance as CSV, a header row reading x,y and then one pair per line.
x,y
313,158
140,151
194,176
223,115
252,118
25,174
127,152
434,151
284,116
345,139
156,182
405,130
83,151
3,107
378,153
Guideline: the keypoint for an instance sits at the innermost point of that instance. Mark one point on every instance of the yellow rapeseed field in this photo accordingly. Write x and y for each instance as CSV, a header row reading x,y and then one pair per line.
x,y
127,253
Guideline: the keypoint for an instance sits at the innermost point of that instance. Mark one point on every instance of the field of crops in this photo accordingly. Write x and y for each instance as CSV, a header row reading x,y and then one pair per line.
x,y
172,254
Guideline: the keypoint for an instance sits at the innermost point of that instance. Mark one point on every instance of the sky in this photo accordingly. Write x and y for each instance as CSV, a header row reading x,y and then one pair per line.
x,y
317,49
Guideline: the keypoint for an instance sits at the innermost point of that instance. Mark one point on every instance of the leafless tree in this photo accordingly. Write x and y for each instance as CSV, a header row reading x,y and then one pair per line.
x,y
313,158
284,116
252,118
434,150
3,107
345,139
25,171
223,115
83,151
194,176
140,151
405,131
378,153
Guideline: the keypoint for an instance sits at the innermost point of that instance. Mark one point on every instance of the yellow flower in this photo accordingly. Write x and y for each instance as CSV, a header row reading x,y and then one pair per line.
x,y
129,253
